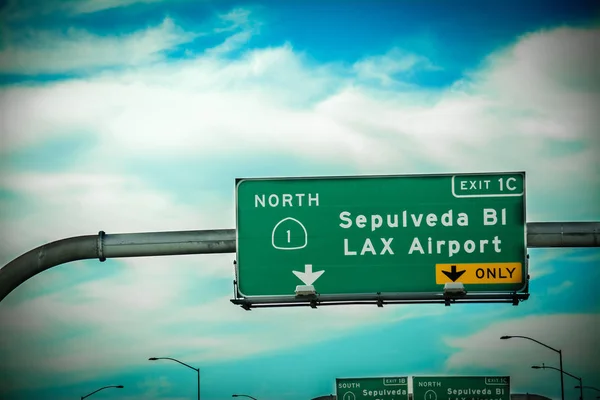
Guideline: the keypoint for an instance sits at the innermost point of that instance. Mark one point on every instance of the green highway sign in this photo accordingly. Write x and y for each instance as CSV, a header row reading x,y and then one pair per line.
x,y
381,234
384,388
461,388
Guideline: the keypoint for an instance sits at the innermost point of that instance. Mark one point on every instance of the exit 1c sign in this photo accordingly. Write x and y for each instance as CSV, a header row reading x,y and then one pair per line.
x,y
381,234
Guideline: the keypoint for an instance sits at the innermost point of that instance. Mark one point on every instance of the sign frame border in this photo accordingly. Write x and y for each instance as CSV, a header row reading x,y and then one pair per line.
x,y
471,376
289,300
407,377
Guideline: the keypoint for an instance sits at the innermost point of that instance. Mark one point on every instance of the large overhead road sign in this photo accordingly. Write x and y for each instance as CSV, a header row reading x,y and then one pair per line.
x,y
461,388
351,236
384,388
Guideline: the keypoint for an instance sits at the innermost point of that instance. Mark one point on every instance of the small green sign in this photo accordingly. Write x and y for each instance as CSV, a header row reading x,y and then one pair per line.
x,y
382,388
461,388
381,234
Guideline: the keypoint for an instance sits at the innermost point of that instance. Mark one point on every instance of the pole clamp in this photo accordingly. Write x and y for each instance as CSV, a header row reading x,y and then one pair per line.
x,y
101,246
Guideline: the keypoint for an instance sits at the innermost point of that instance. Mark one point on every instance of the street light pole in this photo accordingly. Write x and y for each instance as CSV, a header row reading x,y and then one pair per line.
x,y
581,387
564,372
562,383
102,388
182,363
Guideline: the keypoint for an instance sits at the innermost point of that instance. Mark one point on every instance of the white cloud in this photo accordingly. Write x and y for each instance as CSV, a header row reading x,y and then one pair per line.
x,y
237,17
91,6
552,78
19,10
32,51
35,52
238,20
72,204
557,58
282,104
155,388
548,261
385,68
232,43
137,313
560,288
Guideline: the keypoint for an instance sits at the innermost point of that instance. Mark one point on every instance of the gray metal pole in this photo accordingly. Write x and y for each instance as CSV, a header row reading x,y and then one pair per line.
x,y
539,234
563,234
562,376
559,351
182,363
46,256
103,246
102,388
562,372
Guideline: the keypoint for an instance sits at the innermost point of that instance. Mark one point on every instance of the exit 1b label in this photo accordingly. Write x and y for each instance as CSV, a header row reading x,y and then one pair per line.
x,y
479,185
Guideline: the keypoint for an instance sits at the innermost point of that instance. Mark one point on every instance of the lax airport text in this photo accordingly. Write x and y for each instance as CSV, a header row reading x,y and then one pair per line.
x,y
373,244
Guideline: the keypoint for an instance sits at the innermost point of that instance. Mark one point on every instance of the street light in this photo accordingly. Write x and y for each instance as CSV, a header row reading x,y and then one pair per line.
x,y
564,372
562,384
243,395
102,388
182,363
588,387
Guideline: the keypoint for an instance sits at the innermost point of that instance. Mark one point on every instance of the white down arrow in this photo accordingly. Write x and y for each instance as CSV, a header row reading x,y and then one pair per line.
x,y
308,277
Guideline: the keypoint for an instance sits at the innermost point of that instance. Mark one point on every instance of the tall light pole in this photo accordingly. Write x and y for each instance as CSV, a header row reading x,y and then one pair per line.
x,y
562,384
564,372
102,388
182,363
243,395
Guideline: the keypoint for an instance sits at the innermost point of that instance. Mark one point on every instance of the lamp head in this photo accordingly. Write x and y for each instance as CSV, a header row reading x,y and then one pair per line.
x,y
505,337
536,367
152,359
120,386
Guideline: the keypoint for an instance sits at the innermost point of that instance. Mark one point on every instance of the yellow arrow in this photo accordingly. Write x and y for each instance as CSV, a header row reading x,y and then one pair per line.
x,y
480,273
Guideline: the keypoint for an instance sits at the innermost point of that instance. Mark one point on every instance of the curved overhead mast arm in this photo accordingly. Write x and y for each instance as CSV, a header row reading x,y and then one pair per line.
x,y
104,246
173,359
102,388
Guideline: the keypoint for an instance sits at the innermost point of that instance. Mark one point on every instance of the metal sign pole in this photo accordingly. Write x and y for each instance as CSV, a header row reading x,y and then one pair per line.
x,y
103,246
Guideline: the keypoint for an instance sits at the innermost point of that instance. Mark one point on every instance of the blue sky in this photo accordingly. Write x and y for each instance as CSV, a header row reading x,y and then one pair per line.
x,y
138,115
